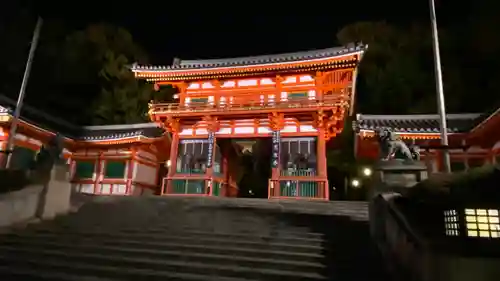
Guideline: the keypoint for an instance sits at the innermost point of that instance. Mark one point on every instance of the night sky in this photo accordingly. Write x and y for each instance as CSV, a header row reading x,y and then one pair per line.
x,y
192,29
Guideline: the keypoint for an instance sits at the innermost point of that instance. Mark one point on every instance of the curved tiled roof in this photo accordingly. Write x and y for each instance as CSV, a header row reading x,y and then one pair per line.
x,y
111,132
38,117
253,60
424,123
86,133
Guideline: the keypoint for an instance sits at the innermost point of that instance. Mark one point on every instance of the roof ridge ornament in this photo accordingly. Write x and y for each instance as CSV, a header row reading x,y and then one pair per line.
x,y
176,61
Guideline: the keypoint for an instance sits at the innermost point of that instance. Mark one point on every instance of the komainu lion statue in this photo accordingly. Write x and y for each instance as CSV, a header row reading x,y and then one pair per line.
x,y
393,147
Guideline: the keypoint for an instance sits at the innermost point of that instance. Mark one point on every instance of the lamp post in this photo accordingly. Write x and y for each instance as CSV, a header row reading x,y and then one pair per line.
x,y
367,172
22,91
439,88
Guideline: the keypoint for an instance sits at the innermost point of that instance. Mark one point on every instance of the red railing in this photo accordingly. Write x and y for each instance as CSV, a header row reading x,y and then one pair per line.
x,y
299,188
292,104
198,185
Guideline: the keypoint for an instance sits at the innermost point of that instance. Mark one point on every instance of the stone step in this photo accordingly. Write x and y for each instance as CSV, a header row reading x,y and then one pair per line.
x,y
205,255
27,273
152,240
167,250
64,273
167,238
241,218
250,235
334,210
269,224
72,263
165,203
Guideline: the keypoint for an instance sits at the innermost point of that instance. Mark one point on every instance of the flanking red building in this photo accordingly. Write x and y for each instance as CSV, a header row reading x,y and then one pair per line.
x,y
474,139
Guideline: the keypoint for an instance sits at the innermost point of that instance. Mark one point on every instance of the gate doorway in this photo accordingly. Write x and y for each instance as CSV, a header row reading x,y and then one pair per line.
x,y
255,164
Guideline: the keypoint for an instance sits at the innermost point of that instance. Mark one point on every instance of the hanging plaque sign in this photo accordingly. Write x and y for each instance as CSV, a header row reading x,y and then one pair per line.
x,y
275,149
211,140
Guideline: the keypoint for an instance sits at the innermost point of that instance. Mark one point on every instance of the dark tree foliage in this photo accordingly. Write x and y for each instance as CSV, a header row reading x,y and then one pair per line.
x,y
397,72
81,75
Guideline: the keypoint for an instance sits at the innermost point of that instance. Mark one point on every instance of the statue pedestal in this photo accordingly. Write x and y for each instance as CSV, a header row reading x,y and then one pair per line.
x,y
397,175
56,193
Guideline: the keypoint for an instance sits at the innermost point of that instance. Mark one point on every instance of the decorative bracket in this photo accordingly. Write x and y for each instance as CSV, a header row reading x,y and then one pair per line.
x,y
213,124
276,121
328,124
172,125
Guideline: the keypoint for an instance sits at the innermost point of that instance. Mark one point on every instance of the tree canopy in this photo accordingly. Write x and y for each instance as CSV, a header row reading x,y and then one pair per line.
x,y
95,66
397,73
81,75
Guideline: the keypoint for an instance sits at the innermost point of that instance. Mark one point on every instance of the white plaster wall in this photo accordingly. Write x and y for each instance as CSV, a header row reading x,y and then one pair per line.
x,y
186,132
224,131
102,189
244,130
146,155
144,174
140,191
264,130
84,188
307,128
289,129
119,189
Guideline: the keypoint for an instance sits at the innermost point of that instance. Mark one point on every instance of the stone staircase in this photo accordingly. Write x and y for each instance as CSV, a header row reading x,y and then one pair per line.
x,y
196,239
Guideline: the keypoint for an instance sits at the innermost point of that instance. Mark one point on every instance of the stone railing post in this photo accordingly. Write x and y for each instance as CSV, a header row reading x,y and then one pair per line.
x,y
56,194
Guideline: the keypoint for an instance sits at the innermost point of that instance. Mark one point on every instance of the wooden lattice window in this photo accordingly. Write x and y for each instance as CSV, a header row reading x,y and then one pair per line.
x,y
84,169
115,169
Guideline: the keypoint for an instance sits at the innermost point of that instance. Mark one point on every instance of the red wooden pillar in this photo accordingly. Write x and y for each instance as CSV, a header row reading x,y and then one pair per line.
x,y
4,155
174,147
322,164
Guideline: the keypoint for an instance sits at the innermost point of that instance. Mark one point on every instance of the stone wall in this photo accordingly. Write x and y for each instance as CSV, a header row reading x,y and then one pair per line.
x,y
19,206
37,201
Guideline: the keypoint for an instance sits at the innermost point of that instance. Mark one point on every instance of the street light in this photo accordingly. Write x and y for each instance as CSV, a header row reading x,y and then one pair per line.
x,y
355,183
168,164
367,172
439,88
